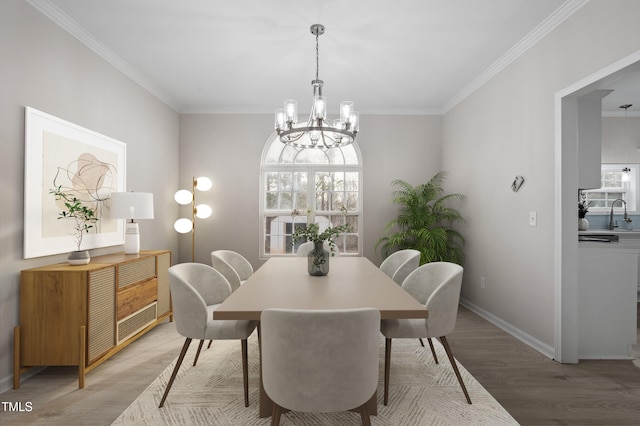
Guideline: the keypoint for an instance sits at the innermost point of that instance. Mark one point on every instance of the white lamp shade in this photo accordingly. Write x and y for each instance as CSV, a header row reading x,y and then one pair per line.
x,y
183,225
203,183
203,211
131,205
183,197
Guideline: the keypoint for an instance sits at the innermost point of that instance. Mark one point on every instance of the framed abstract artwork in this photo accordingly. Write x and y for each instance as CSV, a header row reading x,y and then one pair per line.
x,y
80,162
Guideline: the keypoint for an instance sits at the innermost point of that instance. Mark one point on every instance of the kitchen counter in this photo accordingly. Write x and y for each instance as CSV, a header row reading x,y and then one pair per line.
x,y
627,239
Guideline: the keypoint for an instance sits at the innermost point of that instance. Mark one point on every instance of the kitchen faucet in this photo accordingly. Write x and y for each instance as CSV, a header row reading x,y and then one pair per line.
x,y
626,218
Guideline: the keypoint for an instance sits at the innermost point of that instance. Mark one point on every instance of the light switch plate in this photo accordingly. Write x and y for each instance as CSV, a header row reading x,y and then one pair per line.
x,y
533,219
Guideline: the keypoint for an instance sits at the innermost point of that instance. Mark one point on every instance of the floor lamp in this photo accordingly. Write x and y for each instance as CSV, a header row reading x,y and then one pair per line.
x,y
201,211
131,206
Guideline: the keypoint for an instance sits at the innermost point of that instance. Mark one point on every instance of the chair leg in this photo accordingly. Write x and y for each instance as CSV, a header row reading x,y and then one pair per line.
x,y
433,351
364,414
183,352
387,366
421,343
443,339
209,345
275,415
245,371
195,360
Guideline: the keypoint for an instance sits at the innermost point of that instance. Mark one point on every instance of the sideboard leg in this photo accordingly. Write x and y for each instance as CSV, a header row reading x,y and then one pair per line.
x,y
81,361
16,357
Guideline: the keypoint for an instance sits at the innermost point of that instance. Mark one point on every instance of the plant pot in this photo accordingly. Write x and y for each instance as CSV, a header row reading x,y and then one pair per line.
x,y
318,261
81,257
583,224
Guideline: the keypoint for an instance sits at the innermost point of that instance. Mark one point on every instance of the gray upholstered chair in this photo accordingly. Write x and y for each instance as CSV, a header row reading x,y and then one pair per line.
x,y
235,267
320,360
196,291
437,285
400,264
305,248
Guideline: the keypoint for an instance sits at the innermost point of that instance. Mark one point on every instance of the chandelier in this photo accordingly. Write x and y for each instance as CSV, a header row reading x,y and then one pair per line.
x,y
317,132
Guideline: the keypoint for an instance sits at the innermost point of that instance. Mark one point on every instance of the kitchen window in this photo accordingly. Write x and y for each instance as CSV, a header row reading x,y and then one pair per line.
x,y
616,184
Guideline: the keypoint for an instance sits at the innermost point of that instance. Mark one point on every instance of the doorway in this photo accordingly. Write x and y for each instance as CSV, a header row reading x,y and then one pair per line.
x,y
566,188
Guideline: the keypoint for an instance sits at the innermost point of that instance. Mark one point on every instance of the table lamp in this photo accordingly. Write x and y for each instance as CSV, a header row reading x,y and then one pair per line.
x,y
131,206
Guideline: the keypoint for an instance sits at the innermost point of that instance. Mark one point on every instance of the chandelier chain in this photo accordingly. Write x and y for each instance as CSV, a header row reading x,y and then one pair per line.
x,y
317,57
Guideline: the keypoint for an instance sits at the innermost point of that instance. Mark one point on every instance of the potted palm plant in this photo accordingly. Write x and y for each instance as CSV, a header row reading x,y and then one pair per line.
x,y
425,222
84,217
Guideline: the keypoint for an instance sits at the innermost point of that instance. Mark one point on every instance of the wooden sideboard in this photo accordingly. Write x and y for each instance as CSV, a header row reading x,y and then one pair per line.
x,y
82,315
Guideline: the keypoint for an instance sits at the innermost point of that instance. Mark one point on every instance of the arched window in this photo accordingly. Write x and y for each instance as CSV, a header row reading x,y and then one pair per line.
x,y
298,186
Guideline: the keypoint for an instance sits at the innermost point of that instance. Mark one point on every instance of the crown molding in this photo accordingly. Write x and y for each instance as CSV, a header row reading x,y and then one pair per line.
x,y
560,15
69,25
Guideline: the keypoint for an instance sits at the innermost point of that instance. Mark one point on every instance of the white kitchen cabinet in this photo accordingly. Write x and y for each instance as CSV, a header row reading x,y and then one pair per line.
x,y
607,291
590,138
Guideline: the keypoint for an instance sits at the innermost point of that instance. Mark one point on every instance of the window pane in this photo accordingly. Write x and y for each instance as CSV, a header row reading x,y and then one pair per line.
x,y
338,181
351,244
352,201
301,180
337,201
351,181
288,153
271,181
353,221
286,201
273,154
278,234
350,156
300,201
335,156
271,201
312,156
286,181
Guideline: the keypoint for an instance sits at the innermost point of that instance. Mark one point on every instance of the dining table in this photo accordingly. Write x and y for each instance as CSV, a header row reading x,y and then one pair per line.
x,y
284,282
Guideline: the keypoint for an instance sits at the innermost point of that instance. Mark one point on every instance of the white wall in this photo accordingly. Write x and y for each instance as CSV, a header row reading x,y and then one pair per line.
x,y
228,149
506,128
44,67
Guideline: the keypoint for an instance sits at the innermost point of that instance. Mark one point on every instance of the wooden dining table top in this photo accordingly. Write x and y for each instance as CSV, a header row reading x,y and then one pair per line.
x,y
352,282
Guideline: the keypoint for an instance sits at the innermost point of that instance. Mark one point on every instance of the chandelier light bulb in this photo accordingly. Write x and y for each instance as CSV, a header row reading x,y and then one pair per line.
x,y
183,225
203,183
203,211
291,111
183,197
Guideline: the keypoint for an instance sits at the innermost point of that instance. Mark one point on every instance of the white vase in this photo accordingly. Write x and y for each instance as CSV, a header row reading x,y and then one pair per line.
x,y
583,224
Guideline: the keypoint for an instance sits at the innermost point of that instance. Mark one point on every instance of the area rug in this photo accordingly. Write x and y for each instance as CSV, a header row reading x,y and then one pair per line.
x,y
421,392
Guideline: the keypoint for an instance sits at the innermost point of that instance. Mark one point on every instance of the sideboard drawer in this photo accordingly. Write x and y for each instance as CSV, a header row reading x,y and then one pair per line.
x,y
135,297
138,270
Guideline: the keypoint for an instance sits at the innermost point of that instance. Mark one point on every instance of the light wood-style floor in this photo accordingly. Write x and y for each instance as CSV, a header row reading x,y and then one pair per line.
x,y
533,388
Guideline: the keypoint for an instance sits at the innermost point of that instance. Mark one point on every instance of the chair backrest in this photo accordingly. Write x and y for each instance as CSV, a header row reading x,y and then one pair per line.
x,y
320,360
400,264
235,267
305,248
437,285
194,286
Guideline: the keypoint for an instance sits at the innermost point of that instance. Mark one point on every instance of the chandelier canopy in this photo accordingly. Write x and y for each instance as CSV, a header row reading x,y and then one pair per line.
x,y
317,132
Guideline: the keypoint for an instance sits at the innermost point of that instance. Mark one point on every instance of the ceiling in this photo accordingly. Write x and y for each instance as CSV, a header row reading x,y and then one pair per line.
x,y
248,56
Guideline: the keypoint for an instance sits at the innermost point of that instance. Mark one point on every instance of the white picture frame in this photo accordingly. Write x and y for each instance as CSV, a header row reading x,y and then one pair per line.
x,y
83,162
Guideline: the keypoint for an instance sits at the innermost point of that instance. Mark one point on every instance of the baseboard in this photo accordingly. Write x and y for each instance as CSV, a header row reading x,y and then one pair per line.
x,y
525,338
7,382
